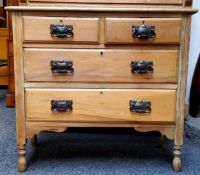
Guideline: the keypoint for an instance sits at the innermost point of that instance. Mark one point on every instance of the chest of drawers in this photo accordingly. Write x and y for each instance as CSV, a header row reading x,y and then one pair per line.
x,y
97,65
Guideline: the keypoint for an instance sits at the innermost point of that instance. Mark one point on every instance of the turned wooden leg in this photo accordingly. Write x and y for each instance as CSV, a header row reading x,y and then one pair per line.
x,y
22,159
177,158
34,141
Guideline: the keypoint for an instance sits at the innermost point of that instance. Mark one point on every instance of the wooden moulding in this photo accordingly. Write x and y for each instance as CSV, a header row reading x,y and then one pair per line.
x,y
34,128
144,2
182,82
88,8
111,1
19,79
101,85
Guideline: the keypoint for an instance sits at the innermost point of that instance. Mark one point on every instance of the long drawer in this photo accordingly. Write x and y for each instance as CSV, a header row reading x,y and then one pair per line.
x,y
115,1
61,29
143,30
88,65
96,105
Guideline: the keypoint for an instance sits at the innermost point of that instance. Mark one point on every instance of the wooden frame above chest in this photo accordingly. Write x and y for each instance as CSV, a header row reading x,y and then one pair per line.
x,y
141,2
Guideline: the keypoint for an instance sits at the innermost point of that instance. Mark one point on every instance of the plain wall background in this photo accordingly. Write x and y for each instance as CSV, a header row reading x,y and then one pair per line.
x,y
194,46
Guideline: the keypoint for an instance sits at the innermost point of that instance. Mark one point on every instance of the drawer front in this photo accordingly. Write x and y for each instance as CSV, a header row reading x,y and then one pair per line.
x,y
143,30
61,29
116,1
87,105
101,65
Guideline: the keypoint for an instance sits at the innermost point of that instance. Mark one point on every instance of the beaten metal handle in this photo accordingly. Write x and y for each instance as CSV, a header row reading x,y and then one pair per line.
x,y
61,66
144,31
61,30
140,106
61,105
142,67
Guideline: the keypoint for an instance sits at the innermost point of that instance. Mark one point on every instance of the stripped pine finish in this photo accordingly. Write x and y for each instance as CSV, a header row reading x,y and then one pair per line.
x,y
115,1
97,65
114,65
93,105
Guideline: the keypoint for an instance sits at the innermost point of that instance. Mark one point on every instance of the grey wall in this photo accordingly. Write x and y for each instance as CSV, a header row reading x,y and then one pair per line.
x,y
194,46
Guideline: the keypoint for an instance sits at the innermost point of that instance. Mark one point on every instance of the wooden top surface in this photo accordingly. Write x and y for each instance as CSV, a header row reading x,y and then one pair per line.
x,y
105,8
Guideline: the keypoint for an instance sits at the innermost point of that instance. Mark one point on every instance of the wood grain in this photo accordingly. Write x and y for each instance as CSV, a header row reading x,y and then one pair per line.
x,y
116,13
112,66
105,8
10,96
100,105
3,80
103,46
4,32
38,29
182,81
3,55
114,1
19,79
100,85
4,48
33,128
119,30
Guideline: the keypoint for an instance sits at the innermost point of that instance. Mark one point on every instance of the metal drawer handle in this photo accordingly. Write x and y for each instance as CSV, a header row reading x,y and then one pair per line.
x,y
61,30
61,66
61,105
140,106
142,67
143,31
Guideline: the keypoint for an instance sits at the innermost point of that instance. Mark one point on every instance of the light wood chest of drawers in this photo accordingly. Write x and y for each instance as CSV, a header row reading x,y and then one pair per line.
x,y
98,65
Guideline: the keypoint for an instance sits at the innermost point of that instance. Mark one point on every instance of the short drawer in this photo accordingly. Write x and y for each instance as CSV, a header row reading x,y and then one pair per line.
x,y
96,105
88,65
143,30
61,29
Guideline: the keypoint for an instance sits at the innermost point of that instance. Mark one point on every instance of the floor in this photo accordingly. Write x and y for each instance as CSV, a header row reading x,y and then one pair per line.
x,y
84,153
192,126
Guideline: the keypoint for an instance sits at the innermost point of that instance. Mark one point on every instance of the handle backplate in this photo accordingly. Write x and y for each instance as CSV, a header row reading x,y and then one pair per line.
x,y
142,67
61,30
61,66
61,105
140,106
144,31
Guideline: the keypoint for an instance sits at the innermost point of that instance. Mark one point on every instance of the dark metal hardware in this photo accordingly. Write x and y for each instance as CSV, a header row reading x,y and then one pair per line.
x,y
61,105
143,31
142,66
61,30
62,66
140,106
3,63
